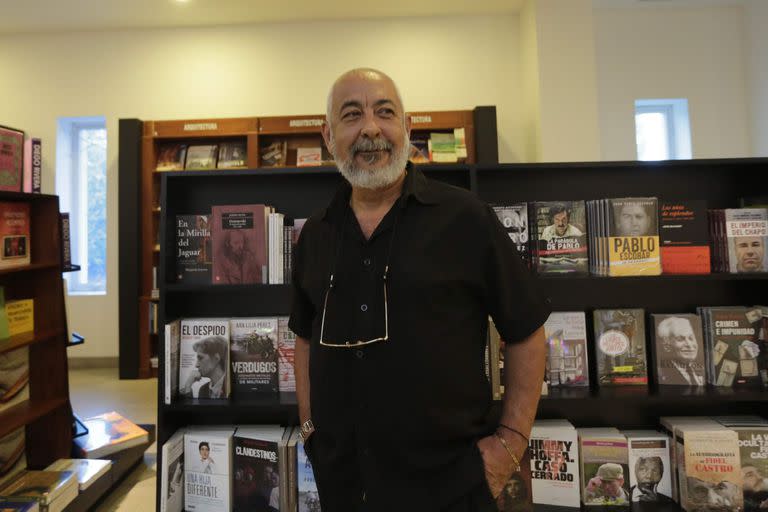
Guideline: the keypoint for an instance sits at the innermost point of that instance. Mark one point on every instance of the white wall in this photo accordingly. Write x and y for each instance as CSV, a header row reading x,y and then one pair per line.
x,y
756,20
694,53
278,69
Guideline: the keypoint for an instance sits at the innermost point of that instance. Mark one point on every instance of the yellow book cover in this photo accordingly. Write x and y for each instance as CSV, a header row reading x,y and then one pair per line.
x,y
21,316
633,241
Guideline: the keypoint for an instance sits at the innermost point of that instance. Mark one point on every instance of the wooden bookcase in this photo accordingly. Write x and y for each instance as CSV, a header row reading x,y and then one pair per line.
x,y
139,186
299,192
47,415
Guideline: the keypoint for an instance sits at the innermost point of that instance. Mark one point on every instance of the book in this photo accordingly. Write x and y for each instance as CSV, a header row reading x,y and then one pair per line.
x,y
45,486
86,471
669,424
19,505
66,247
620,347
309,156
194,258
254,353
514,219
171,156
604,467
633,237
109,433
231,155
208,469
12,454
286,351
442,148
419,152
684,236
566,334
33,165
15,234
747,236
561,237
709,470
678,350
204,358
274,153
731,339
554,454
460,138
650,477
201,157
21,316
172,342
172,474
308,499
257,478
11,159
496,361
239,235
753,454
14,375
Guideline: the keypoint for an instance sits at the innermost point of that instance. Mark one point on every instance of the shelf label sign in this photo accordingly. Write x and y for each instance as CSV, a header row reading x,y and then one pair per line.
x,y
195,127
305,123
421,119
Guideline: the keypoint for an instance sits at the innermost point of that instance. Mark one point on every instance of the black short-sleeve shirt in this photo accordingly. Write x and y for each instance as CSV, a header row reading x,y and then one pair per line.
x,y
403,414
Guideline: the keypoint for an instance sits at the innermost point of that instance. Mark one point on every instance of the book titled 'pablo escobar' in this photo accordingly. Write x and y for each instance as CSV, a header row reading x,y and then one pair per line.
x,y
561,237
633,237
620,350
254,356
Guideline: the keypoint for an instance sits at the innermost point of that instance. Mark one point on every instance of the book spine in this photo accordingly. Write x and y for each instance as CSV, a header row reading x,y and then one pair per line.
x,y
37,166
66,258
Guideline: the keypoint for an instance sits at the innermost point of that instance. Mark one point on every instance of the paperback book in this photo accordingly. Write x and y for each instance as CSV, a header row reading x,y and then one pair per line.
x,y
554,454
633,237
650,479
747,236
254,352
566,334
239,235
620,347
171,157
193,249
753,451
204,358
208,469
735,353
15,234
87,471
604,467
684,235
678,350
172,474
286,351
514,219
561,237
257,476
109,433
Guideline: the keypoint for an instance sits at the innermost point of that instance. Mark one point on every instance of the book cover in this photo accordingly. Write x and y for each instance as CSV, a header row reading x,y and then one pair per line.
x,y
194,259
678,350
257,476
561,238
204,358
747,234
633,237
21,316
45,486
684,236
19,505
172,341
496,361
443,147
208,469
201,157
87,471
11,159
14,373
753,451
232,155
171,156
669,424
15,234
286,351
514,218
620,347
566,334
254,356
517,493
309,156
419,152
172,474
554,454
239,236
733,345
274,153
308,497
709,470
650,475
12,458
604,467
33,165
109,433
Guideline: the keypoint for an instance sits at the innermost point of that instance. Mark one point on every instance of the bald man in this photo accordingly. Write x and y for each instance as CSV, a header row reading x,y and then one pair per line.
x,y
393,284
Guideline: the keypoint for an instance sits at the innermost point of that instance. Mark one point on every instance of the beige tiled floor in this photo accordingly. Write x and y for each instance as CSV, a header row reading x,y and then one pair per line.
x,y
94,391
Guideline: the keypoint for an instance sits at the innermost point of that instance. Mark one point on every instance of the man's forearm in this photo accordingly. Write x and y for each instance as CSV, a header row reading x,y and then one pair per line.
x,y
301,371
523,374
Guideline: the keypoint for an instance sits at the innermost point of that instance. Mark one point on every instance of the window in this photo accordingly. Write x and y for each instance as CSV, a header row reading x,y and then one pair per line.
x,y
81,183
662,129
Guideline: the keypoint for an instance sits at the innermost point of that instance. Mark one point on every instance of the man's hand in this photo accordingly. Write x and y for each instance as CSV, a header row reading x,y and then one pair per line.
x,y
499,466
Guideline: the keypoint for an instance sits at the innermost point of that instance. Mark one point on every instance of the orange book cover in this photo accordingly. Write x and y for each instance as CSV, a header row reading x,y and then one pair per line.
x,y
14,234
109,433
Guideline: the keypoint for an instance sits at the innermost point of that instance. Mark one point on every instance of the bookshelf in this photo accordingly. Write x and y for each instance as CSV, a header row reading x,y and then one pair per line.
x,y
299,192
47,414
139,185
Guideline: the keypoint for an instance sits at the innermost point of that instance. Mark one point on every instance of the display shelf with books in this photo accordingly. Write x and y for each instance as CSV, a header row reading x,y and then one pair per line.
x,y
28,338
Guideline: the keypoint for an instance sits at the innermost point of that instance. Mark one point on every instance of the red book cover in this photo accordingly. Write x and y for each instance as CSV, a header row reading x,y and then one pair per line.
x,y
239,244
684,238
11,159
14,234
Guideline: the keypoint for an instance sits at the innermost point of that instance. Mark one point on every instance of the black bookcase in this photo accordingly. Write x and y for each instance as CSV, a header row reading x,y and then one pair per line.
x,y
300,192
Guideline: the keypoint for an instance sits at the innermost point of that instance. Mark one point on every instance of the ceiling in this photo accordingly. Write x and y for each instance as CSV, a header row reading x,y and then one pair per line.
x,y
18,16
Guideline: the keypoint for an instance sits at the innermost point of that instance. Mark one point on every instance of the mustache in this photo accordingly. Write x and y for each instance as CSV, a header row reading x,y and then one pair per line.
x,y
364,144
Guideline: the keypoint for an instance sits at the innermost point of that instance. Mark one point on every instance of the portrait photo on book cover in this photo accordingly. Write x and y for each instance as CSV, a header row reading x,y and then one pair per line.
x,y
648,472
606,483
680,352
635,217
14,246
712,497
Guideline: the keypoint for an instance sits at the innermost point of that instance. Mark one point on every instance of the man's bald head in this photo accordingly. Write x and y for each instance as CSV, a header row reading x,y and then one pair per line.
x,y
368,74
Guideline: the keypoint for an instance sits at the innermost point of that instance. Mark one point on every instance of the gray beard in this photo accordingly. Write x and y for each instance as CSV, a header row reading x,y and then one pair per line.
x,y
379,178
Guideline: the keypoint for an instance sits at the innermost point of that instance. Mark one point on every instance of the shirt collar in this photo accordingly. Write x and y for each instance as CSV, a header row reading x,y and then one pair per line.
x,y
416,185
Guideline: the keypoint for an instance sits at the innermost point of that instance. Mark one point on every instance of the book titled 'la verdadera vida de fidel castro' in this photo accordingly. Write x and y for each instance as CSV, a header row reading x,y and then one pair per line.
x,y
684,235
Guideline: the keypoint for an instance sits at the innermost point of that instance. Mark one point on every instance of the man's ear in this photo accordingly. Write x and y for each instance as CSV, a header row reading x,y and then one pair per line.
x,y
408,126
325,129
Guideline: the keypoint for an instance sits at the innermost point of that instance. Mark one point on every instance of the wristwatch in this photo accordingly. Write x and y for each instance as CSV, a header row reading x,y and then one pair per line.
x,y
306,429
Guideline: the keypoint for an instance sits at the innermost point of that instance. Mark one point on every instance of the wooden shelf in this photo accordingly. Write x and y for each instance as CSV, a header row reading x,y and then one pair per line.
x,y
663,277
282,409
28,338
29,268
27,412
